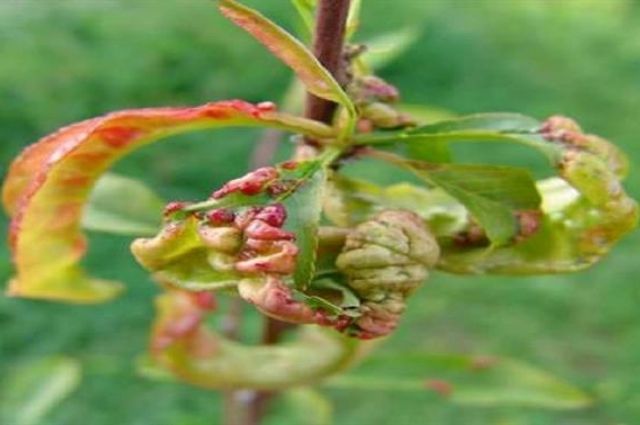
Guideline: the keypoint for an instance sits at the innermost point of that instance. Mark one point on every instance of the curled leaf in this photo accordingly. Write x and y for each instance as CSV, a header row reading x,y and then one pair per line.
x,y
178,255
196,354
48,185
583,212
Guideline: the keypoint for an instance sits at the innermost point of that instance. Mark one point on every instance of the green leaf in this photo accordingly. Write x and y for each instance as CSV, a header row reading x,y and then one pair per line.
x,y
33,389
425,114
504,122
494,127
466,381
435,151
183,343
428,150
492,194
124,206
304,208
288,49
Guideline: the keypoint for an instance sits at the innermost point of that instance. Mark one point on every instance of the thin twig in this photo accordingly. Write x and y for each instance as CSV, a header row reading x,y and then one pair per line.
x,y
328,48
246,406
328,43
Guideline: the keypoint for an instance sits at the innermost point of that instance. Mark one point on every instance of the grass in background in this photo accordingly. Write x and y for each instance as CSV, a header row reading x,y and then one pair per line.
x,y
65,61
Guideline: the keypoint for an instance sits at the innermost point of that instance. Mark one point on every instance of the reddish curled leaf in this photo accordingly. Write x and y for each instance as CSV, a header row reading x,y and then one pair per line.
x,y
48,184
288,49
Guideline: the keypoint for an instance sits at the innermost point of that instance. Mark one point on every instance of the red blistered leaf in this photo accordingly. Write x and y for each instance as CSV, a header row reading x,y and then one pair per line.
x,y
48,184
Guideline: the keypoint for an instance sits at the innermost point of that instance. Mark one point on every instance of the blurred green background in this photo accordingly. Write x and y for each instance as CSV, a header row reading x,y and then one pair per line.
x,y
63,61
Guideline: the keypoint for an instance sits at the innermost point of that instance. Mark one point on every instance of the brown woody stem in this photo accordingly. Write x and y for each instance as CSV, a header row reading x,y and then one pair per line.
x,y
328,43
328,46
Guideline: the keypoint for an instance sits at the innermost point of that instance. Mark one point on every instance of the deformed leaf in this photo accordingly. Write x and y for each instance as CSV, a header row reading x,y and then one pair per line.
x,y
288,49
196,354
35,388
48,185
493,194
124,206
177,256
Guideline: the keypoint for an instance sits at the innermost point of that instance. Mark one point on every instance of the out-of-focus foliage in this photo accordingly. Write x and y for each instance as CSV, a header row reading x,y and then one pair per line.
x,y
32,389
64,61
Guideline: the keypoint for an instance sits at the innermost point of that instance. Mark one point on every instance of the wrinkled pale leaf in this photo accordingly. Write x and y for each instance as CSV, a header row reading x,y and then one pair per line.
x,y
49,183
33,389
467,380
288,49
124,206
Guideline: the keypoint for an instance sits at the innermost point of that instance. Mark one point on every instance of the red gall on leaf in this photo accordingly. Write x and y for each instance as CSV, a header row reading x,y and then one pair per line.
x,y
250,184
